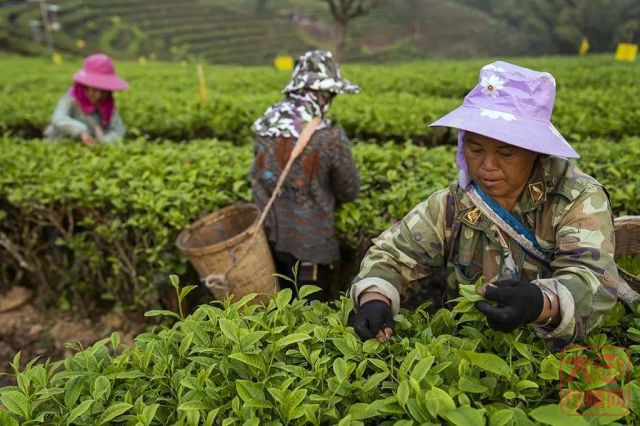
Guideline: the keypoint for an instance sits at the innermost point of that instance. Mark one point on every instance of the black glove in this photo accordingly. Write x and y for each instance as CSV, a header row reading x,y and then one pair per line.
x,y
519,303
370,318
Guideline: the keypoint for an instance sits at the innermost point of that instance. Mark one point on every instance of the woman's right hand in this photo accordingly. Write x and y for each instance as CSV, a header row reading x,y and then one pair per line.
x,y
87,139
373,318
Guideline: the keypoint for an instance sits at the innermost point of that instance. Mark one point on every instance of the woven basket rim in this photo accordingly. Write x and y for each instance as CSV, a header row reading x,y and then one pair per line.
x,y
629,219
211,217
627,230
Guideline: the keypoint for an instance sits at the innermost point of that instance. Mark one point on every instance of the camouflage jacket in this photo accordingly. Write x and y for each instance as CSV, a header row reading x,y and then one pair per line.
x,y
567,210
301,220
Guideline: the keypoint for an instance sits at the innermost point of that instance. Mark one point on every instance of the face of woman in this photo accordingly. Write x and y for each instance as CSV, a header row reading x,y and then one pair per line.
x,y
500,169
96,96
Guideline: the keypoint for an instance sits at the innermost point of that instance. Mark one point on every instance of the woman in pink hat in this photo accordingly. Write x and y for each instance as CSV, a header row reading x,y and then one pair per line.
x,y
88,110
521,217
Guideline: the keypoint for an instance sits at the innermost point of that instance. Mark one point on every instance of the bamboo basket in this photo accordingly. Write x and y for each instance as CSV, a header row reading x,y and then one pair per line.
x,y
627,229
229,247
229,259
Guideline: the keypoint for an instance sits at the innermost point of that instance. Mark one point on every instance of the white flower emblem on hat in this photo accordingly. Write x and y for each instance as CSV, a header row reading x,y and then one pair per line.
x,y
492,85
493,114
493,68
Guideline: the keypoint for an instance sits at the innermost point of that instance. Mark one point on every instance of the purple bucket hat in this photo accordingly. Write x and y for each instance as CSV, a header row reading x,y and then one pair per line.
x,y
511,104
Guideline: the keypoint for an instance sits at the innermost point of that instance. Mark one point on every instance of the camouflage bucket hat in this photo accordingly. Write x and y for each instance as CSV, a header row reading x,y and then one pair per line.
x,y
317,70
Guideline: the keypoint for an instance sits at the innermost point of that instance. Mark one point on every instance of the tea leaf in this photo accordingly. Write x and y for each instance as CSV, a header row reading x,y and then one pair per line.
x,y
306,290
101,388
341,369
292,338
115,340
283,298
252,338
526,384
552,414
374,381
421,369
465,416
149,412
74,388
468,292
79,410
6,420
403,392
471,384
501,417
248,390
113,411
16,402
186,290
192,406
438,401
489,362
133,374
161,312
248,359
228,328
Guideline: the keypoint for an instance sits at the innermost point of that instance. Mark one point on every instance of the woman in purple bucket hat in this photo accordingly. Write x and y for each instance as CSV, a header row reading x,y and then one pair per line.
x,y
88,110
521,217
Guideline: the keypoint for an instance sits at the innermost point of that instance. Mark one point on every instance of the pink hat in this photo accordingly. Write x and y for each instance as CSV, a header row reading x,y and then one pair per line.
x,y
512,104
98,72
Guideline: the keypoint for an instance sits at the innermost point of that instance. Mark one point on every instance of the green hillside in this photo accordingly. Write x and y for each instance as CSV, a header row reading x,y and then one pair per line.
x,y
254,32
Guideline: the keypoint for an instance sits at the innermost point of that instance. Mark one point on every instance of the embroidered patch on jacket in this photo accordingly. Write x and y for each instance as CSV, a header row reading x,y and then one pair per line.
x,y
472,216
536,191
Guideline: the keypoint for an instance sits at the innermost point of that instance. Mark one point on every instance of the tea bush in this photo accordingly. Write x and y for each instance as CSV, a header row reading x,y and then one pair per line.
x,y
596,98
85,225
297,363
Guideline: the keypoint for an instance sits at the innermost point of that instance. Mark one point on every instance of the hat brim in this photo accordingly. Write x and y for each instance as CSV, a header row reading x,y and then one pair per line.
x,y
322,84
534,135
100,81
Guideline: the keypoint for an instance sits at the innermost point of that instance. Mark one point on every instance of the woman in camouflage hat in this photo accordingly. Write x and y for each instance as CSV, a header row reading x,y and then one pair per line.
x,y
521,216
300,224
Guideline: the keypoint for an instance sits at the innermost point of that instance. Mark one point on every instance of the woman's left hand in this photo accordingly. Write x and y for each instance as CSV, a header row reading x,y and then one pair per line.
x,y
519,303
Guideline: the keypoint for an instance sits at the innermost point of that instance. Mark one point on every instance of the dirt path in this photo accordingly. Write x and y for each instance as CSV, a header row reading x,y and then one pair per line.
x,y
25,328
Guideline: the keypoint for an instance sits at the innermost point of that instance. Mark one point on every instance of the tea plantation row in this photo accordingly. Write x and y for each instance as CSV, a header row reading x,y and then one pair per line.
x,y
295,363
596,98
85,225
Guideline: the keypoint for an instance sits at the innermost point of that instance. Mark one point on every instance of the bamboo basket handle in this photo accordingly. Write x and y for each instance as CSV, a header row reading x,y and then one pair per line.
x,y
219,281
